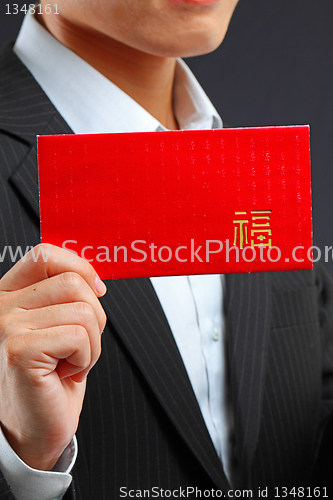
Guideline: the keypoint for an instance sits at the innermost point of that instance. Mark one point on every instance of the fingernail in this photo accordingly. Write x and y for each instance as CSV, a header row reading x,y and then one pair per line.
x,y
99,285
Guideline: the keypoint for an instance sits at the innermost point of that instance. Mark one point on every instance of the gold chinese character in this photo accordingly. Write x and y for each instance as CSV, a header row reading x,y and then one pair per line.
x,y
260,228
243,230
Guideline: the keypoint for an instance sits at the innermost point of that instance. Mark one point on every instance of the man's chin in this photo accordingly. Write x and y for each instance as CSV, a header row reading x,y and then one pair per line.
x,y
191,45
199,46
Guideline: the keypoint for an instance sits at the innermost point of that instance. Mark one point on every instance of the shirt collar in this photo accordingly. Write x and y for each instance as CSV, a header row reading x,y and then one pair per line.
x,y
89,102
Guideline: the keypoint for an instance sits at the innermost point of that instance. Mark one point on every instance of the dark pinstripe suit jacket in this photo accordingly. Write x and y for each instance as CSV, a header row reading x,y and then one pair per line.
x,y
141,426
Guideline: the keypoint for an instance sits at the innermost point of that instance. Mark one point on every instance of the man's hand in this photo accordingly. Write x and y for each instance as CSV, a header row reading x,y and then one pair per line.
x,y
50,337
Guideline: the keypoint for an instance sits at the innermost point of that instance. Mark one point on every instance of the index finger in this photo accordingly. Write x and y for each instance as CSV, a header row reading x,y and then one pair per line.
x,y
44,261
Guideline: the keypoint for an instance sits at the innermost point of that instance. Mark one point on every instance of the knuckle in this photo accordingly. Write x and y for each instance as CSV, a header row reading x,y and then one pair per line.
x,y
80,334
82,342
72,281
84,311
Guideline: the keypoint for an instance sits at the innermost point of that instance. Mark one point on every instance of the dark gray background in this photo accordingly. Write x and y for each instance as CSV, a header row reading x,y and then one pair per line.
x,y
275,67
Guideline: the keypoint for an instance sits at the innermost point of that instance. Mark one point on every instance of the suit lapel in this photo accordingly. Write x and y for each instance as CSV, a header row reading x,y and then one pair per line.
x,y
134,309
248,311
37,118
30,112
25,177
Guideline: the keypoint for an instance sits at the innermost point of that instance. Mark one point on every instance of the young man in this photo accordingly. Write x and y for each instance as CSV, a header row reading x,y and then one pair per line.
x,y
199,385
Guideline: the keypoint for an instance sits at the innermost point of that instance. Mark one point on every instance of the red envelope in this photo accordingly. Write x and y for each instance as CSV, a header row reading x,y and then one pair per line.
x,y
177,203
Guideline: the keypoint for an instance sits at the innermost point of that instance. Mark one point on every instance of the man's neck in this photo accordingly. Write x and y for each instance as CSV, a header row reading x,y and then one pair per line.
x,y
146,78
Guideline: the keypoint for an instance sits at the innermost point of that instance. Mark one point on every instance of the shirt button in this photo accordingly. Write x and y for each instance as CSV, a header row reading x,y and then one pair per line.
x,y
215,332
